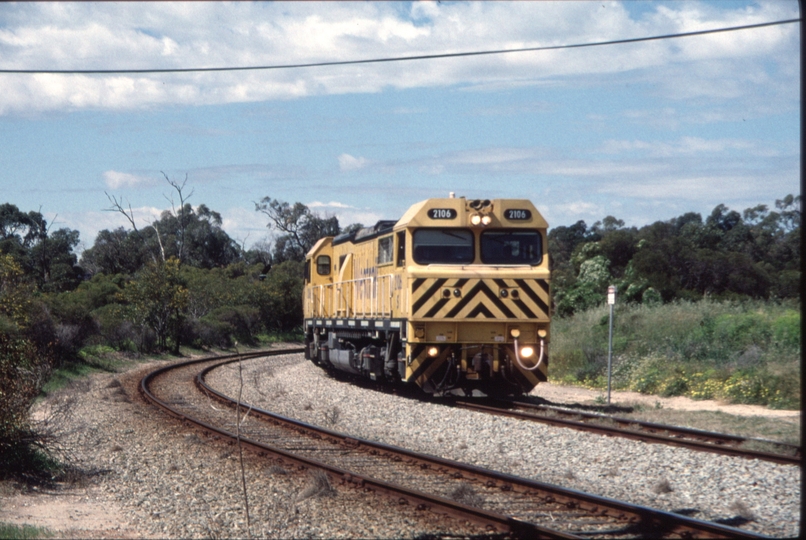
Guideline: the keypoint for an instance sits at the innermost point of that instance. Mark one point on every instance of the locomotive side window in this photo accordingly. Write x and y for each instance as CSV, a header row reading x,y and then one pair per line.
x,y
323,265
443,246
511,247
385,250
401,248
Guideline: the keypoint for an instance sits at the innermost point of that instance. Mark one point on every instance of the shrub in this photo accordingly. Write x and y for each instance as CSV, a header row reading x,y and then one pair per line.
x,y
242,321
786,330
23,371
114,328
207,333
745,352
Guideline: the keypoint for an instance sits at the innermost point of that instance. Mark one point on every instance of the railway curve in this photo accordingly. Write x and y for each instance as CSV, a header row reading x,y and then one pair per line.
x,y
604,517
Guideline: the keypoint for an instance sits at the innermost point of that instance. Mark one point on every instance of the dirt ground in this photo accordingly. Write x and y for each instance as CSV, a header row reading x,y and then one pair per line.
x,y
89,513
74,513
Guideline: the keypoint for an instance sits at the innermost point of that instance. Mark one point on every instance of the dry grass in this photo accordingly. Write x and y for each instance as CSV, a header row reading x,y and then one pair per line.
x,y
662,486
785,430
741,510
466,495
332,417
317,484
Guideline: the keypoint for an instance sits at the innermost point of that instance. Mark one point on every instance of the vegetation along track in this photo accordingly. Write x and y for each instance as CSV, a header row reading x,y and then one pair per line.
x,y
649,432
502,502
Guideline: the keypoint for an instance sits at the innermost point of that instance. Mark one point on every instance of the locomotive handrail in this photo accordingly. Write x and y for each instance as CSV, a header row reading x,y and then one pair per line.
x,y
371,297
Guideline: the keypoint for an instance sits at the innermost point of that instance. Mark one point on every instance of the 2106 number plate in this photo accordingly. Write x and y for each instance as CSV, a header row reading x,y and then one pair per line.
x,y
442,213
514,214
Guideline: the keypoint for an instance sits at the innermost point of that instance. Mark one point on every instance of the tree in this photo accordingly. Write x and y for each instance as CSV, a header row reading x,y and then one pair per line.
x,y
16,295
564,240
19,230
55,263
300,228
47,258
115,252
158,299
195,238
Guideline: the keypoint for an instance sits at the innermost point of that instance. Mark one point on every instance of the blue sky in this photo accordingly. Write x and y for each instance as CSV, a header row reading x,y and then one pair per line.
x,y
644,131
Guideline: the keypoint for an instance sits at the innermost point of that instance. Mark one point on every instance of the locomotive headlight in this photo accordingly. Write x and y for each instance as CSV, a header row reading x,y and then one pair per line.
x,y
515,333
433,351
486,219
475,219
526,352
542,332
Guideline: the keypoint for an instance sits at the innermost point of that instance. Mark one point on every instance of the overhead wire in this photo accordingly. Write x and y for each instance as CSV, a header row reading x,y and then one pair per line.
x,y
391,59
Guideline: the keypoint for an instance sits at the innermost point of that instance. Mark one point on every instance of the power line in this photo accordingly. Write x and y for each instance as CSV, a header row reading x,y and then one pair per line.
x,y
393,59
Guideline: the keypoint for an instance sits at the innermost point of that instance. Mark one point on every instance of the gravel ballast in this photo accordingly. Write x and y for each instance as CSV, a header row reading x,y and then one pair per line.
x,y
160,479
760,496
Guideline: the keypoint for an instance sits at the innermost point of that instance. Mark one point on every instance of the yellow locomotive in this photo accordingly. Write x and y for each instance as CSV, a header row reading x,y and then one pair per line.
x,y
454,296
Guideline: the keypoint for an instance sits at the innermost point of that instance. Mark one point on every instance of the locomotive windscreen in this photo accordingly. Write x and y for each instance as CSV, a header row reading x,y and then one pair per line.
x,y
511,247
443,246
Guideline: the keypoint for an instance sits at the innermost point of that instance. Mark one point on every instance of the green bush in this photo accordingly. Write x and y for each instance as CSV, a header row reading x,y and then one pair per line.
x,y
242,322
786,329
742,352
23,372
114,328
207,333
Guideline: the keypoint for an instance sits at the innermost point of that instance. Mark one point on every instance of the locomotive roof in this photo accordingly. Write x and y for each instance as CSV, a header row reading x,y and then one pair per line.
x,y
417,214
367,233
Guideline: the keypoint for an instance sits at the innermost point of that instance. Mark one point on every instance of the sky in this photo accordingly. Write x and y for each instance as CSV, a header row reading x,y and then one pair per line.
x,y
642,131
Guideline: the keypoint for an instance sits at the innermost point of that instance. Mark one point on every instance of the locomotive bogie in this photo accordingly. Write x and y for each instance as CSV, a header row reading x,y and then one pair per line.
x,y
454,295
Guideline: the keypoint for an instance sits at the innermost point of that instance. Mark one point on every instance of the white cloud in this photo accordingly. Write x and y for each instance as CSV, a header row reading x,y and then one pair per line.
x,y
349,163
179,35
684,146
118,180
492,156
365,217
331,204
244,225
578,208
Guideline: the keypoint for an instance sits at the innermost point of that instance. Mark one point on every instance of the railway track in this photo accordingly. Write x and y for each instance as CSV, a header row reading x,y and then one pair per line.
x,y
502,503
649,432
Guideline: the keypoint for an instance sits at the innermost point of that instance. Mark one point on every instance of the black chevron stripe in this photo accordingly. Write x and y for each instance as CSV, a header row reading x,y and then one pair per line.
x,y
422,368
498,303
543,285
427,295
481,309
480,287
416,284
525,309
434,310
464,301
531,294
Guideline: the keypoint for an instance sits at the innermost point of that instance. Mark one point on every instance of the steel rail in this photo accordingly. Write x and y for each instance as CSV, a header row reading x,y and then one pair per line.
x,y
649,432
657,523
420,501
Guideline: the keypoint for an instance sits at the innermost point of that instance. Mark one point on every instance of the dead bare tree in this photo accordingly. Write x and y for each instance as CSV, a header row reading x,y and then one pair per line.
x,y
181,214
117,206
